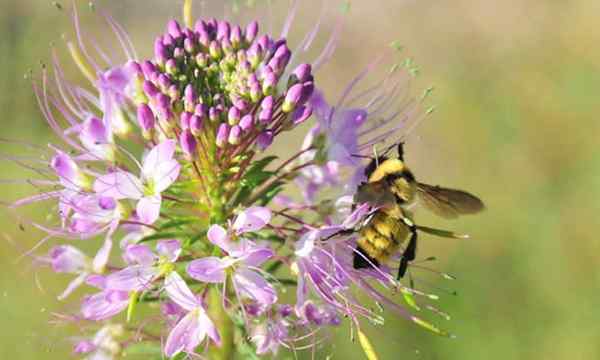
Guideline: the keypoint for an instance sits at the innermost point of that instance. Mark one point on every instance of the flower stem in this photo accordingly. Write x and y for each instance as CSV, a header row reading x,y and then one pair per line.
x,y
223,324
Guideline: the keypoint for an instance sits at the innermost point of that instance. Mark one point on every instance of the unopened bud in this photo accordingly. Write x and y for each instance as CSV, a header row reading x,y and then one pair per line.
x,y
222,135
188,144
235,135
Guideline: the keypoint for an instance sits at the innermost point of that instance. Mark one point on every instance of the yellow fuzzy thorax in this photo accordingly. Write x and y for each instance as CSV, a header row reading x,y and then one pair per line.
x,y
387,167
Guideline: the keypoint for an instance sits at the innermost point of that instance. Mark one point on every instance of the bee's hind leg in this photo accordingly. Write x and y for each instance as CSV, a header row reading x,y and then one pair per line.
x,y
410,252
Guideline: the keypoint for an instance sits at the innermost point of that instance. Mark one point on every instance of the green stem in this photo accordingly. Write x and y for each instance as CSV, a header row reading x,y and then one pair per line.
x,y
224,325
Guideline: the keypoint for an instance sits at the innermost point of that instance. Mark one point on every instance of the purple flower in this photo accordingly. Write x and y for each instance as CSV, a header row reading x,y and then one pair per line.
x,y
69,259
159,171
145,266
104,345
243,260
269,336
193,327
105,304
97,139
112,86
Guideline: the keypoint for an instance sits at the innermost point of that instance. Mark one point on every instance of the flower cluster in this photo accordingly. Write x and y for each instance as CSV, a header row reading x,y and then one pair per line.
x,y
167,156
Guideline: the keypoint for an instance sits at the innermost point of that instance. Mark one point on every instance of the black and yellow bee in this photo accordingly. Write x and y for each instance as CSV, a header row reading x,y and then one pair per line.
x,y
392,188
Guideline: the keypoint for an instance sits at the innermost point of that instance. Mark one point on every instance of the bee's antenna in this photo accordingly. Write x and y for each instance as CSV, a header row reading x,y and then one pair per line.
x,y
376,156
401,150
361,156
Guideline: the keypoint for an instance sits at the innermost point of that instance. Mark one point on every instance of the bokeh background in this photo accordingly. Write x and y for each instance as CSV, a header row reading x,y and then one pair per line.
x,y
517,85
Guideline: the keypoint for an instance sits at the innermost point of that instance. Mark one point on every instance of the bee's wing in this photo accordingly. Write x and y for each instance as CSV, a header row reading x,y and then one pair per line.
x,y
376,194
448,203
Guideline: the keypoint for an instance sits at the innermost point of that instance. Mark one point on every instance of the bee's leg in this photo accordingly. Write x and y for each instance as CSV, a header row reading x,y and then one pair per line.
x,y
340,233
410,252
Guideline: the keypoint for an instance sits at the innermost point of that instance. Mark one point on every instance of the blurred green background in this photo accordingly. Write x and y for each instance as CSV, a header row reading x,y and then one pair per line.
x,y
517,86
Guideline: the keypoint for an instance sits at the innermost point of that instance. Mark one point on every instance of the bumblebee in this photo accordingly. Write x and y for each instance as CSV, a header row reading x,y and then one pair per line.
x,y
391,188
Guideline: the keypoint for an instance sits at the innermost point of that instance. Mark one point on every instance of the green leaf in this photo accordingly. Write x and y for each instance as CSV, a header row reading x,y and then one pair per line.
x,y
254,177
274,189
177,223
165,235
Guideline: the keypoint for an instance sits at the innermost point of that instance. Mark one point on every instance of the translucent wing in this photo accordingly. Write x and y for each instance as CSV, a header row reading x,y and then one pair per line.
x,y
448,203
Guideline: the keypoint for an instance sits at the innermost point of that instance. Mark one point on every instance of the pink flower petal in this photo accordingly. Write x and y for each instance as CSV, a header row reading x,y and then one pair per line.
x,y
68,259
159,154
169,249
101,258
208,269
104,305
207,324
132,278
252,219
179,292
254,286
148,209
218,235
257,256
139,254
185,336
119,185
164,175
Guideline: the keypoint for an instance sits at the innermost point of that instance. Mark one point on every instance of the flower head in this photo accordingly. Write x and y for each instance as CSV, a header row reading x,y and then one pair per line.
x,y
171,156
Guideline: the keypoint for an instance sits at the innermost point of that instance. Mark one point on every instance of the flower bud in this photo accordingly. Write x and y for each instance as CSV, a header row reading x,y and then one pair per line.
x,y
174,92
184,120
233,117
164,82
201,110
265,42
168,40
251,31
214,114
292,98
264,140
236,36
150,89
247,122
188,143
196,123
241,104
174,29
214,50
255,92
135,68
189,45
178,53
255,55
171,66
265,115
160,51
163,105
223,30
301,114
148,68
269,82
145,117
189,97
222,135
267,103
302,72
235,135
201,60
